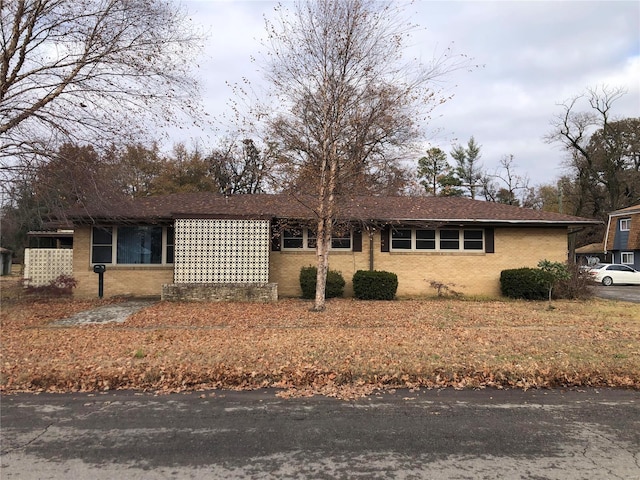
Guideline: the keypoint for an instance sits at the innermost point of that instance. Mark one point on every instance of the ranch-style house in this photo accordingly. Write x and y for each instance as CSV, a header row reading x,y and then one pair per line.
x,y
158,246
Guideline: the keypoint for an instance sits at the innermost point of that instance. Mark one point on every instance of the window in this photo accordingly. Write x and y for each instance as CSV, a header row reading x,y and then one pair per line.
x,y
293,238
139,245
133,245
620,268
341,240
170,244
305,239
425,239
625,224
626,257
473,240
449,239
102,245
401,239
437,240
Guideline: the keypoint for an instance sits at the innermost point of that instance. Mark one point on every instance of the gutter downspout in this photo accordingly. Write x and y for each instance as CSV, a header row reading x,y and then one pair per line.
x,y
370,250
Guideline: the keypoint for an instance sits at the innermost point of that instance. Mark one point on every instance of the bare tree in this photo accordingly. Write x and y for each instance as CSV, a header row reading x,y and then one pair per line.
x,y
603,151
505,185
347,103
240,167
90,71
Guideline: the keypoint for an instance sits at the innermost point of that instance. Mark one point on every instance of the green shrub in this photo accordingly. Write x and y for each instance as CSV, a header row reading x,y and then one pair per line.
x,y
334,287
375,285
527,283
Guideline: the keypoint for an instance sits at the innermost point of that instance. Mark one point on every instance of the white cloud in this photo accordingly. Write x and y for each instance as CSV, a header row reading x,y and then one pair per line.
x,y
535,54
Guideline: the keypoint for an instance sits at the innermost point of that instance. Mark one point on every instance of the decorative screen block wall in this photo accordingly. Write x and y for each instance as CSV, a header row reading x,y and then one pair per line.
x,y
221,251
42,265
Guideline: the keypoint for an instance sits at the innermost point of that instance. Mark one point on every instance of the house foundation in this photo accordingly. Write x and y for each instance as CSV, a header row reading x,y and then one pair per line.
x,y
220,292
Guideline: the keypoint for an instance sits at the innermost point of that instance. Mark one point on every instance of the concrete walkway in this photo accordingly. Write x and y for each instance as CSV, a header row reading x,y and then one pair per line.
x,y
109,313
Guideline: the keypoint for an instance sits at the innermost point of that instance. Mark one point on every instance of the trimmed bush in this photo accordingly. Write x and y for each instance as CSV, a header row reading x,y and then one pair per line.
x,y
308,277
526,283
375,285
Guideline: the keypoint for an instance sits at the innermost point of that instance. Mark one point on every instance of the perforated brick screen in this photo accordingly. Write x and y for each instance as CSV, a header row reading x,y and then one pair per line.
x,y
221,251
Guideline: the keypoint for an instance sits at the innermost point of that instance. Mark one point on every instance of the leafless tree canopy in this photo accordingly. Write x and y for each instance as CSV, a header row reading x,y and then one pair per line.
x,y
347,102
603,152
90,71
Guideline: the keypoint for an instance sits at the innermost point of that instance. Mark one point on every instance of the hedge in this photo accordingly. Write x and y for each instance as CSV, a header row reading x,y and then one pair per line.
x,y
375,285
334,286
526,283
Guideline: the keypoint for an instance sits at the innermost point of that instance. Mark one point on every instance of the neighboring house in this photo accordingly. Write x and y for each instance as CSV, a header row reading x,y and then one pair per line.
x,y
208,239
592,254
5,261
622,239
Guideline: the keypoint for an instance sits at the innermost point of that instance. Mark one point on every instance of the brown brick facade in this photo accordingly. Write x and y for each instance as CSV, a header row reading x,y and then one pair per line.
x,y
469,273
118,281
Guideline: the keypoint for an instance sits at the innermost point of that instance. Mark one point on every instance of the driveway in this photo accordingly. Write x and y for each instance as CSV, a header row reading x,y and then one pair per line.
x,y
625,293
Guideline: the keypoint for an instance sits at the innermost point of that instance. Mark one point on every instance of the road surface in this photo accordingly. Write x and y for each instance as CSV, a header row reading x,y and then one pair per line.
x,y
430,434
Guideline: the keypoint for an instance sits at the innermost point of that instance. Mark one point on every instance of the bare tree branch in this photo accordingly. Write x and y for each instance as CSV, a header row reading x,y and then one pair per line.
x,y
91,71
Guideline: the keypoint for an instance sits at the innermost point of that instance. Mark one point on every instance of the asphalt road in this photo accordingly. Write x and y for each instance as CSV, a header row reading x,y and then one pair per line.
x,y
626,293
487,434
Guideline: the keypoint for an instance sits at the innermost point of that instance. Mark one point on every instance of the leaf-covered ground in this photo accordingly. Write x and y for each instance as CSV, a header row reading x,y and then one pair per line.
x,y
352,348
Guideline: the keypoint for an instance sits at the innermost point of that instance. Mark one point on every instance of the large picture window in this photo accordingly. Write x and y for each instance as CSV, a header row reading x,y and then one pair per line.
x,y
447,239
132,245
139,245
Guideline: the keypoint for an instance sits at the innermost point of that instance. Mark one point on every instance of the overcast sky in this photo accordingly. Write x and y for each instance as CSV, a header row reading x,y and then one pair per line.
x,y
534,55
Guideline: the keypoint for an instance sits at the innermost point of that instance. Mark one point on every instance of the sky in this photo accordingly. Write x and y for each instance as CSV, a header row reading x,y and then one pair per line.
x,y
533,56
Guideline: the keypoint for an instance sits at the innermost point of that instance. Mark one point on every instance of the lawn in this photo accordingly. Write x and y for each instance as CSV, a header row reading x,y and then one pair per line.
x,y
352,348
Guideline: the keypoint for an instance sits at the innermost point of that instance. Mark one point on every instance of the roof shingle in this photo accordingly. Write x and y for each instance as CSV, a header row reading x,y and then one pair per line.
x,y
284,206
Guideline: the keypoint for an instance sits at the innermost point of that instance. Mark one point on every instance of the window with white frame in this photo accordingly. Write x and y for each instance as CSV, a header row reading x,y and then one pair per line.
x,y
625,224
446,239
626,258
132,245
305,239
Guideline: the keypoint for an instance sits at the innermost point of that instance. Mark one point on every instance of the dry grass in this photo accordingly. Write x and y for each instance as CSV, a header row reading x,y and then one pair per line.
x,y
351,348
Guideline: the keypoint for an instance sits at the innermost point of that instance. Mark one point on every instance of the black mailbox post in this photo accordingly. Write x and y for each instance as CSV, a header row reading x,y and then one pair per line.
x,y
100,269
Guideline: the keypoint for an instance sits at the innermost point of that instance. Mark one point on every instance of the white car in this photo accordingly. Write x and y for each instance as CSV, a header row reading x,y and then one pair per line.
x,y
614,273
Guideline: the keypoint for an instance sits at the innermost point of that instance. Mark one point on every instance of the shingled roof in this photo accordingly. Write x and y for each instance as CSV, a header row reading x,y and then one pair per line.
x,y
282,206
633,238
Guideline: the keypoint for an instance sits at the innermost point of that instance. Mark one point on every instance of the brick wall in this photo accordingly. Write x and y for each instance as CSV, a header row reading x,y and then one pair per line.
x,y
472,273
143,280
469,273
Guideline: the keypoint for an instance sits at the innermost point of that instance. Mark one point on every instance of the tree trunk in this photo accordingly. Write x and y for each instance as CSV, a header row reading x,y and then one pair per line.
x,y
322,252
326,210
